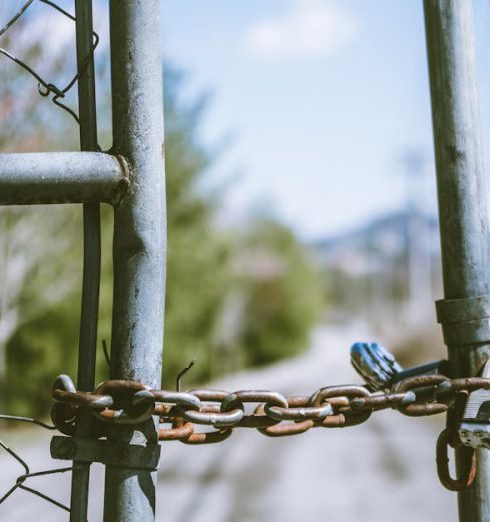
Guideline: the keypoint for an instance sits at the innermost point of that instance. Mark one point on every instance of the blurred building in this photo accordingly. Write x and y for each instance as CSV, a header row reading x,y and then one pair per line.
x,y
386,272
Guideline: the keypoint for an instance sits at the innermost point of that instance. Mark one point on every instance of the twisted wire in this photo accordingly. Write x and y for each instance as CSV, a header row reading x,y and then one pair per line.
x,y
46,88
23,477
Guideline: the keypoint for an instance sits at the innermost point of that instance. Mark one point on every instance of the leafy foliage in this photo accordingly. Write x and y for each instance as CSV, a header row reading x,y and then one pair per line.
x,y
261,273
284,293
197,259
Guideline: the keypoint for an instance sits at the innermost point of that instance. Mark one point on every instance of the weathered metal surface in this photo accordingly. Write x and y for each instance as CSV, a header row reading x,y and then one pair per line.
x,y
466,477
462,197
112,453
474,423
89,314
126,402
139,232
61,177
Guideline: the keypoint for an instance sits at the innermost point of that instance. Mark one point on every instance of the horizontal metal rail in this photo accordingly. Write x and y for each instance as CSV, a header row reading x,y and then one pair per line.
x,y
61,177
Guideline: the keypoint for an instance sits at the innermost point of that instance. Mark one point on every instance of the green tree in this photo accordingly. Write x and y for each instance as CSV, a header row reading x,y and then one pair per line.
x,y
264,265
197,259
197,276
283,292
33,239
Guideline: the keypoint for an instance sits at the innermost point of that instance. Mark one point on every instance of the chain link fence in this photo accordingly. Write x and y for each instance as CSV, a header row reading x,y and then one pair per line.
x,y
57,94
45,87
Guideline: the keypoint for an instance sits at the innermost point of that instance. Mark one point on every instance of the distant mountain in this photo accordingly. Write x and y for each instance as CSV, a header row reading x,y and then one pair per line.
x,y
385,240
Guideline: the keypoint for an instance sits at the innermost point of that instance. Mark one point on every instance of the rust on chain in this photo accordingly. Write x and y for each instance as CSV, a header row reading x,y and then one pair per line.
x,y
238,398
188,400
284,429
287,429
442,459
381,401
275,415
208,437
346,392
120,388
236,401
425,389
124,409
342,420
180,430
208,414
64,417
129,402
299,412
468,384
217,419
81,398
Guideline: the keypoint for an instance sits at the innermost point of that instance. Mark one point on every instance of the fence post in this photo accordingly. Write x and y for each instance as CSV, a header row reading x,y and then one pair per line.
x,y
462,209
139,233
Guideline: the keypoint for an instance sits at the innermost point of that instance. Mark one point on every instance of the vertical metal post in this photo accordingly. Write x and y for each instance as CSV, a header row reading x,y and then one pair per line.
x,y
462,208
139,232
91,255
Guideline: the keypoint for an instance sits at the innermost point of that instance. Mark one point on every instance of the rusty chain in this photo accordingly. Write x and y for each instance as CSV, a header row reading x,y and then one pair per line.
x,y
129,402
181,413
56,93
275,415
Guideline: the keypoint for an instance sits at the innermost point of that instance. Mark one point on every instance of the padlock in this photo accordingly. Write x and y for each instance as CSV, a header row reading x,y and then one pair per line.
x,y
474,428
380,369
376,365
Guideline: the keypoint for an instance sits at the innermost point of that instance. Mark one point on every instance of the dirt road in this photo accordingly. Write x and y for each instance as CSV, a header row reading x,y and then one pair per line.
x,y
381,471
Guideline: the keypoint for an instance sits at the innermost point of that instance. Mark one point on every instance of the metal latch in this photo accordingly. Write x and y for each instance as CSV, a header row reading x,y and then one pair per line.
x,y
474,429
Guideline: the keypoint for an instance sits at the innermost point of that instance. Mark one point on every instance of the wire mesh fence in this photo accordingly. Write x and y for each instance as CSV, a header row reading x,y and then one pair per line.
x,y
23,477
57,94
45,87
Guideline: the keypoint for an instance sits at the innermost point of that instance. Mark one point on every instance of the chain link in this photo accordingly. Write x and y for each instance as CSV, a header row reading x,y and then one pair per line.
x,y
275,415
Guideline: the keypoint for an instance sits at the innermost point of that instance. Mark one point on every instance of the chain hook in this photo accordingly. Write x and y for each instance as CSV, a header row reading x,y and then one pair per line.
x,y
442,459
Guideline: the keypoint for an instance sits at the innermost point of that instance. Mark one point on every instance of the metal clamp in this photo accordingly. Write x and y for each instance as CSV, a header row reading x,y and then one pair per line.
x,y
111,453
465,321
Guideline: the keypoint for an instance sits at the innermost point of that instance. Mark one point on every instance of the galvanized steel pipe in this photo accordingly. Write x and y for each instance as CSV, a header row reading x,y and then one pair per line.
x,y
61,177
462,203
89,312
139,234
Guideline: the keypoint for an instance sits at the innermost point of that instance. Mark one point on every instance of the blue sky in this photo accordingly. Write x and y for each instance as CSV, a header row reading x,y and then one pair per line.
x,y
323,99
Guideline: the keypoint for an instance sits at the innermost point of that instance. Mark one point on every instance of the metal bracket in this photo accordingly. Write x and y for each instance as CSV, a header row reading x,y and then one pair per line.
x,y
474,430
465,321
111,453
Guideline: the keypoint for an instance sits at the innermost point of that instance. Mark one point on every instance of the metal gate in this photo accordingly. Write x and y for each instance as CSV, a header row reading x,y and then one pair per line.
x,y
131,178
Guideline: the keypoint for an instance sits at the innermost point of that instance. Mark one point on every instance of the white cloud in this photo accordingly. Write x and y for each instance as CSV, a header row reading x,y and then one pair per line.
x,y
311,29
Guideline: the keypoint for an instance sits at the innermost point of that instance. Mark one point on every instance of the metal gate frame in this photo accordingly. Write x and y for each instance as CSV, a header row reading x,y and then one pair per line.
x,y
131,178
463,220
